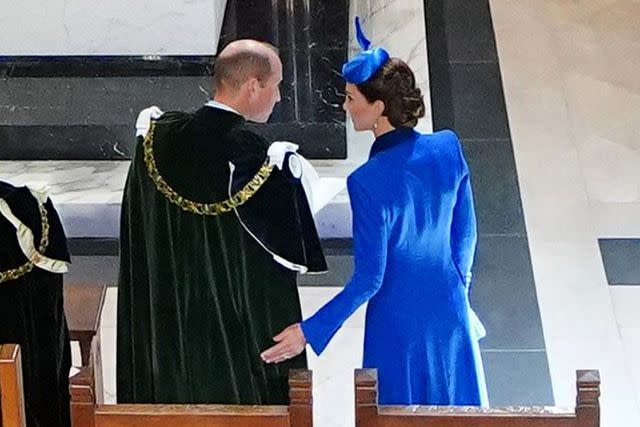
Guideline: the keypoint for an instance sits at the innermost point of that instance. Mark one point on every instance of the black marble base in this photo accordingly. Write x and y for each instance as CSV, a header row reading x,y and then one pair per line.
x,y
495,186
503,292
116,142
316,140
93,246
621,258
105,66
90,142
518,378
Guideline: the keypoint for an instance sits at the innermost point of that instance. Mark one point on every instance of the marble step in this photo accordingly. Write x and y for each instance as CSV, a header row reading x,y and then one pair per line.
x,y
88,194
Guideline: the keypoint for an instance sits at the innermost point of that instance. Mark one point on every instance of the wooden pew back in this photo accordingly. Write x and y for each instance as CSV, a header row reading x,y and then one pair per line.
x,y
370,414
299,413
86,411
12,412
191,415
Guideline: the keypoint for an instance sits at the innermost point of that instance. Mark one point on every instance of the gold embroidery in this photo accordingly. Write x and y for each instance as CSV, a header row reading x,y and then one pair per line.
x,y
210,209
25,268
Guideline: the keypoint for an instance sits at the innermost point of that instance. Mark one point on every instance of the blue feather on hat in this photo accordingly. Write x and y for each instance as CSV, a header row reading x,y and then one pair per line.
x,y
364,65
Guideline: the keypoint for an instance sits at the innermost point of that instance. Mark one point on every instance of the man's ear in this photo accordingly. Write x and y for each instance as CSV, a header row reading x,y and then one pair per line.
x,y
253,84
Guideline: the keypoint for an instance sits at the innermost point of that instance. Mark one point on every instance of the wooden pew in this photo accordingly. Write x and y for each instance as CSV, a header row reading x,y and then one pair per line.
x,y
370,414
87,411
12,412
86,389
83,303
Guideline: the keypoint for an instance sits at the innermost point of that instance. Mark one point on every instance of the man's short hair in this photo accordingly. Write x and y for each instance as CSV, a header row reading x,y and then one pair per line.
x,y
235,68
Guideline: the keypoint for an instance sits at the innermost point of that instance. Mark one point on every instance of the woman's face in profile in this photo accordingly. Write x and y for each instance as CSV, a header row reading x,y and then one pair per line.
x,y
363,113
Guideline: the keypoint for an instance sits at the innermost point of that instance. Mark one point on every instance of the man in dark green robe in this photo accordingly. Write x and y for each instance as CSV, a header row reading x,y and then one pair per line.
x,y
215,224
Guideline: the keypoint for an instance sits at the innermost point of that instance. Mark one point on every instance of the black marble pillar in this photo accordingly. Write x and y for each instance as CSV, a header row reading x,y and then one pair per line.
x,y
620,258
312,40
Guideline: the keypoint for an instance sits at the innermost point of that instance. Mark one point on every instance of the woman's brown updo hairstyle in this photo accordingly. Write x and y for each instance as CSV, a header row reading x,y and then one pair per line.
x,y
395,85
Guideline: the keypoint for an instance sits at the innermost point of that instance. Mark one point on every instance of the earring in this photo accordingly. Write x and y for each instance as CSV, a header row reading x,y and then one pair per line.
x,y
375,124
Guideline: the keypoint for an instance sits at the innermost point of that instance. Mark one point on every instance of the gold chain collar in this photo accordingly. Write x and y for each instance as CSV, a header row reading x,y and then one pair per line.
x,y
209,209
25,268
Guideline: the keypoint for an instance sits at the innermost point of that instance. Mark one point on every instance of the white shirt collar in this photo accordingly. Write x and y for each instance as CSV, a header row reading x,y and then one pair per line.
x,y
221,106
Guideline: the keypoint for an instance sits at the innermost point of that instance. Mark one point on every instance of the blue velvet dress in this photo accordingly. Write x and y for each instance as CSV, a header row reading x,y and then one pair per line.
x,y
414,232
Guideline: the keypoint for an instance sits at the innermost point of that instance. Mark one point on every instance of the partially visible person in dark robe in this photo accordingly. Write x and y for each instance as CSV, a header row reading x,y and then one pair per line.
x,y
33,256
215,226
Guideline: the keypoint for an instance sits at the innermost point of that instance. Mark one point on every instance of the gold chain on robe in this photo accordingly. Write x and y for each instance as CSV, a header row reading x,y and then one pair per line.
x,y
25,268
209,209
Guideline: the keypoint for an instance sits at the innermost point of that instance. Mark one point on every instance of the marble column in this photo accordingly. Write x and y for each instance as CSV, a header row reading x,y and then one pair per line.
x,y
312,40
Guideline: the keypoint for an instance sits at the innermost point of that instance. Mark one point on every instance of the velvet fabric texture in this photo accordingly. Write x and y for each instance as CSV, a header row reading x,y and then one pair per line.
x,y
32,312
201,296
414,232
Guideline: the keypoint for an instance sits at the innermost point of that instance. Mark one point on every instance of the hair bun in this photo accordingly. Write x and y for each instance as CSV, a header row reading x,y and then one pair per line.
x,y
395,85
413,107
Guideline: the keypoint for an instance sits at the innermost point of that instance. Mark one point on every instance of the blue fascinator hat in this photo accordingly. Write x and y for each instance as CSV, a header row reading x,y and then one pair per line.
x,y
364,65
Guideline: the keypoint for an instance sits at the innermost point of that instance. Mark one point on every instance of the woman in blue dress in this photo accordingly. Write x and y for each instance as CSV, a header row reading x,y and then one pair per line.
x,y
414,235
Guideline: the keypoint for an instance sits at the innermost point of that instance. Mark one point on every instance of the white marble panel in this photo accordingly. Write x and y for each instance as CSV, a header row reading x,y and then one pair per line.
x,y
399,27
115,27
603,117
626,300
315,297
572,292
333,370
599,48
76,356
616,219
88,194
572,147
599,39
618,402
610,170
108,342
631,341
83,182
109,311
528,73
333,378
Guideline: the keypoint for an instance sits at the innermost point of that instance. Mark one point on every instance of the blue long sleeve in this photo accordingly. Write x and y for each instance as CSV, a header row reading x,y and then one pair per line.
x,y
370,256
463,227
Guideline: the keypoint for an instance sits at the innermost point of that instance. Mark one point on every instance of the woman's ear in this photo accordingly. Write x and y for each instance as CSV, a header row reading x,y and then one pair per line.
x,y
379,106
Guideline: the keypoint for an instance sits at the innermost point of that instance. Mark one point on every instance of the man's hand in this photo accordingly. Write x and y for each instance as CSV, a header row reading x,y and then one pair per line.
x,y
291,342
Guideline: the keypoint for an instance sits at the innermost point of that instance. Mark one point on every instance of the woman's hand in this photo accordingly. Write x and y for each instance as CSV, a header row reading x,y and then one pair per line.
x,y
291,343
